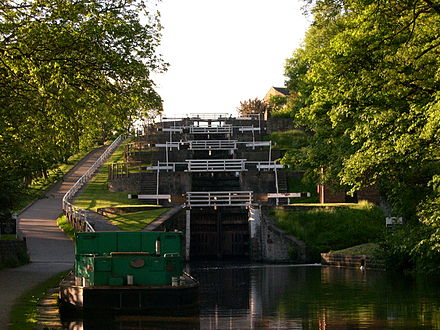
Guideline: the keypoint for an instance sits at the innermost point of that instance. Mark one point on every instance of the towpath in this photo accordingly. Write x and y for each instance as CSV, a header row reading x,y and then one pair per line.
x,y
50,250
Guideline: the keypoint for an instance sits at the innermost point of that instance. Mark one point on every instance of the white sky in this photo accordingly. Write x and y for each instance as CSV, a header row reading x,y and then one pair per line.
x,y
222,52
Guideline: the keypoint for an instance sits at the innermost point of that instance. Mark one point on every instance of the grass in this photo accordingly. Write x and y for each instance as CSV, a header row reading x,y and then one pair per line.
x,y
136,221
25,311
367,248
66,227
96,194
333,228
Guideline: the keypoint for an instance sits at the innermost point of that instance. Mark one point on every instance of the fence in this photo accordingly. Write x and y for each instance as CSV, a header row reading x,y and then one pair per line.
x,y
212,145
218,198
75,215
216,165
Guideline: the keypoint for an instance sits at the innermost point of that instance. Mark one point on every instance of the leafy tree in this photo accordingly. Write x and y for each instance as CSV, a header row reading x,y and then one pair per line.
x,y
252,106
72,73
367,87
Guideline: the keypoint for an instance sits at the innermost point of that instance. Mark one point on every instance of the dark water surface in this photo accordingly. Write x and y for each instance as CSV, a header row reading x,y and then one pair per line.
x,y
243,296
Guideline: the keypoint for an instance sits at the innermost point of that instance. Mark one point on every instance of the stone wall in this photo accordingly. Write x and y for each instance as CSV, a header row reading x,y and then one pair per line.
x,y
279,124
258,182
174,183
277,245
351,260
13,252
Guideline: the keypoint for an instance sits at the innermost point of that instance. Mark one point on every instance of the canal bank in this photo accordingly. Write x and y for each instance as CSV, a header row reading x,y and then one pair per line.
x,y
51,252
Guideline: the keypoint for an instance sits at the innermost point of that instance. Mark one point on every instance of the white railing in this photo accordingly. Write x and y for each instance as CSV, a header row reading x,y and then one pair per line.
x,y
218,198
212,145
210,130
258,144
243,129
216,165
172,129
168,145
75,215
209,116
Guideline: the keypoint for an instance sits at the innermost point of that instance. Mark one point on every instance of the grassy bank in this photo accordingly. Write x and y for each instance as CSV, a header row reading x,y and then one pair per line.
x,y
136,220
367,248
25,311
333,228
96,193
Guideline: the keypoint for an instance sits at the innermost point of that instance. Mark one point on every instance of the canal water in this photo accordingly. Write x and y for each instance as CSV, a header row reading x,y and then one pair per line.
x,y
256,296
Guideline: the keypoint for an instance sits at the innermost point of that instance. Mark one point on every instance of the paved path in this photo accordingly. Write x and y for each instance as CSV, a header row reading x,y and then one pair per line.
x,y
49,248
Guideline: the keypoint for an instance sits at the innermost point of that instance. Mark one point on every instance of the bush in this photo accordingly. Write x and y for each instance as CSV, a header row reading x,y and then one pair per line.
x,y
333,228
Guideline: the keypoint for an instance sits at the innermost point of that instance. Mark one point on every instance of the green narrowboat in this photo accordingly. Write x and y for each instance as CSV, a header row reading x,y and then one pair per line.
x,y
129,272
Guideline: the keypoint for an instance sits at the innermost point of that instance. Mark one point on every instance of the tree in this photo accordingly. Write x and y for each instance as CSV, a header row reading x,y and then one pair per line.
x,y
252,106
368,93
71,73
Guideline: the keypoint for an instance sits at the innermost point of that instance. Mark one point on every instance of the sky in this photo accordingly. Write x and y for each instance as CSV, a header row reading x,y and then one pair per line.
x,y
224,52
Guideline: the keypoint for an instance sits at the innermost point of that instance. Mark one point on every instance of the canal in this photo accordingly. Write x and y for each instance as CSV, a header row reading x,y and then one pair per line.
x,y
256,296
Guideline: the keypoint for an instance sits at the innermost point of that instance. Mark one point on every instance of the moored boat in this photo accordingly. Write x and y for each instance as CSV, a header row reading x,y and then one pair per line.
x,y
129,272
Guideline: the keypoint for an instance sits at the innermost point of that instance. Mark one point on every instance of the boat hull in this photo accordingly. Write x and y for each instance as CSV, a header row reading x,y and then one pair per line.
x,y
129,299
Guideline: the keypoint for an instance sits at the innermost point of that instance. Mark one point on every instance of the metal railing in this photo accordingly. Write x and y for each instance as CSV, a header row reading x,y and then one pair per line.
x,y
218,198
75,215
216,165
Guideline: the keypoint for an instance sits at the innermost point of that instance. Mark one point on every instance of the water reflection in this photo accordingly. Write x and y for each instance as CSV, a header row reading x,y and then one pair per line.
x,y
240,296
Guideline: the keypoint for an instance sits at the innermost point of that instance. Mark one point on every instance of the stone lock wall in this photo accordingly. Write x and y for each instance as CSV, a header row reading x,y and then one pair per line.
x,y
351,260
12,250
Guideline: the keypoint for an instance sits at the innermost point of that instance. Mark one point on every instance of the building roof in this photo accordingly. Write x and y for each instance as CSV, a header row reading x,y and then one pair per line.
x,y
282,90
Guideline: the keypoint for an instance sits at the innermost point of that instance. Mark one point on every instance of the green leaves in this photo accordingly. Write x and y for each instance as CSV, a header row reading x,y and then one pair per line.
x,y
72,73
367,80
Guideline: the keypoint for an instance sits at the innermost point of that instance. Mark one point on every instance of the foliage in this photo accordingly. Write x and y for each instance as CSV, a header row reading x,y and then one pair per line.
x,y
289,140
278,109
72,73
325,229
252,106
66,227
367,248
366,85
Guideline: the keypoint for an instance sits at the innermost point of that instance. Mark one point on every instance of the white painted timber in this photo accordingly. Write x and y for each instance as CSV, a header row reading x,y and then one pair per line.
x,y
268,166
216,165
248,129
210,130
168,145
209,116
212,145
259,144
287,195
218,198
153,196
172,129
171,167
